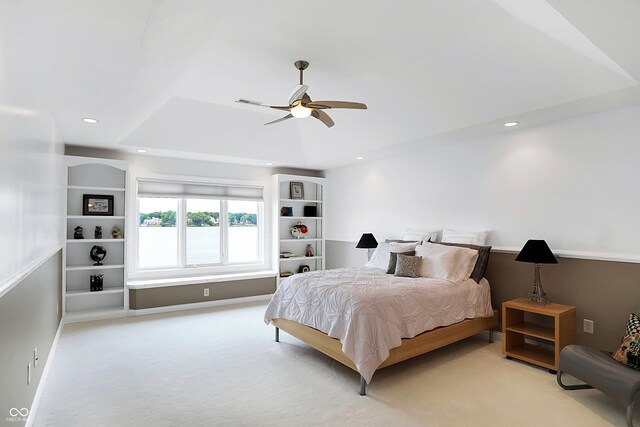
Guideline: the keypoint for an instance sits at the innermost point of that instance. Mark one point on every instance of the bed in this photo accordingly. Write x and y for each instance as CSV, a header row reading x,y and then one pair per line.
x,y
368,320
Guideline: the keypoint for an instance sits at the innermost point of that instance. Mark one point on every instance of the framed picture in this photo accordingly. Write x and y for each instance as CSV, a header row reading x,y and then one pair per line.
x,y
297,190
286,211
97,204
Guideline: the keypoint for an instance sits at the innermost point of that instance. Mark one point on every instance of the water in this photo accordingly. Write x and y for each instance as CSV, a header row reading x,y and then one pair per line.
x,y
158,246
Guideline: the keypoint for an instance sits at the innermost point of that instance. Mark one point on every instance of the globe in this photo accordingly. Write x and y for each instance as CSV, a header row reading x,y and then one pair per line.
x,y
97,254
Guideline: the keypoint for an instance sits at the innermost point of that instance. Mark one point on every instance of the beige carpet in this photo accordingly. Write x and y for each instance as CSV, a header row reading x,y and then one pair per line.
x,y
222,367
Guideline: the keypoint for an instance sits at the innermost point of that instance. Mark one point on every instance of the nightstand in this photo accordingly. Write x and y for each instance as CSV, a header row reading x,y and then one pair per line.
x,y
516,328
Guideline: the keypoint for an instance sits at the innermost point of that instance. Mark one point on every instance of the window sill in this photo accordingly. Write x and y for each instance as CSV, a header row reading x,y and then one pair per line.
x,y
191,280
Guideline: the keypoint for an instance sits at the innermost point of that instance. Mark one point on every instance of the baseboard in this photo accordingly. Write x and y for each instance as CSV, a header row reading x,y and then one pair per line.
x,y
196,305
43,379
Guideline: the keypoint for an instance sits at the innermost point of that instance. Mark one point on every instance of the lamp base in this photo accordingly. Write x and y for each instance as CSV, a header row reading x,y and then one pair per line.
x,y
537,294
369,253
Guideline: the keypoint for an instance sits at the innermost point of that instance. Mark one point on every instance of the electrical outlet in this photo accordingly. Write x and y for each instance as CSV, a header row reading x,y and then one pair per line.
x,y
35,357
28,373
206,292
587,326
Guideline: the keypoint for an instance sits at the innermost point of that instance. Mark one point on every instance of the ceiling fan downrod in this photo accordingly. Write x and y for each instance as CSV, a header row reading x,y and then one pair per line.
x,y
301,65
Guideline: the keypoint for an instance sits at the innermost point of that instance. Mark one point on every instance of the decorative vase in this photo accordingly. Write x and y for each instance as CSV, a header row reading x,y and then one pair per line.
x,y
77,233
308,251
98,233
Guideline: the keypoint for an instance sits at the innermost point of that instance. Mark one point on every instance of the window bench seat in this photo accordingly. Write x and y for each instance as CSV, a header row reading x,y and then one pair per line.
x,y
192,280
155,295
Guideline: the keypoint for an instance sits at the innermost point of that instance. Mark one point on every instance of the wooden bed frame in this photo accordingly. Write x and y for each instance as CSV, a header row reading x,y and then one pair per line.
x,y
410,347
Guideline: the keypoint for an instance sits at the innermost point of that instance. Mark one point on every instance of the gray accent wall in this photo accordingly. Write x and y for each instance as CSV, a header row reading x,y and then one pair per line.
x,y
28,319
602,291
188,294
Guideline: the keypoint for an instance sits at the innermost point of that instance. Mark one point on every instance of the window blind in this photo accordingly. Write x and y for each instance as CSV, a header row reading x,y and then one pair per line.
x,y
195,190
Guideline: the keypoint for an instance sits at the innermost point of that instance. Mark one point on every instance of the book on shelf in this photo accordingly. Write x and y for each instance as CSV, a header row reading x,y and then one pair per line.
x,y
287,254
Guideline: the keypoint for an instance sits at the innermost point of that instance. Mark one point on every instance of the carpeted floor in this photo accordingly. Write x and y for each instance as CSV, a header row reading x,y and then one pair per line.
x,y
221,366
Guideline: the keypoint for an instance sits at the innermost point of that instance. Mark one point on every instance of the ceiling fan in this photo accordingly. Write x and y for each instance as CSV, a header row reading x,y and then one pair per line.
x,y
301,105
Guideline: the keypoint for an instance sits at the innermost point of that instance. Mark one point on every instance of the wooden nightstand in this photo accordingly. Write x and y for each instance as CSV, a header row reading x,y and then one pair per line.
x,y
515,328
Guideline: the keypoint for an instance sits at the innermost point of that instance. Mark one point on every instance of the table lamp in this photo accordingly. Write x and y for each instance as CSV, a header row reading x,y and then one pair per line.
x,y
537,252
368,242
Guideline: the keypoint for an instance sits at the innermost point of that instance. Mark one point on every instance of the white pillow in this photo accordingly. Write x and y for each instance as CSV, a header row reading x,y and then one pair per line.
x,y
446,262
469,237
380,257
420,235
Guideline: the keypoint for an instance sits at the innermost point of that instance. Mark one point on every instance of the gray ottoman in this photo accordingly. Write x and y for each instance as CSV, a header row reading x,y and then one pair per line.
x,y
598,370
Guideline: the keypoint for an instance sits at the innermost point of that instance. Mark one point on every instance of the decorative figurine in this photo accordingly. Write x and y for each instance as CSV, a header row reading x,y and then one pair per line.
x,y
77,233
96,282
97,254
299,230
98,233
308,251
304,269
115,232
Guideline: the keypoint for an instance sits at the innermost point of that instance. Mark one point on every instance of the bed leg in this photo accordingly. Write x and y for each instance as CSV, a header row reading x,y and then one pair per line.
x,y
277,334
491,335
363,386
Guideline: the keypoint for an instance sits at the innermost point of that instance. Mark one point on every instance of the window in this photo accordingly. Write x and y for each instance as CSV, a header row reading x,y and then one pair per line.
x,y
199,226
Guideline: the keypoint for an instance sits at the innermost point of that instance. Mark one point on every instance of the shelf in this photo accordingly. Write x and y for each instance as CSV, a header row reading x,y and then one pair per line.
x,y
534,354
300,201
300,217
94,240
90,188
93,267
300,240
298,258
94,314
106,290
533,331
94,217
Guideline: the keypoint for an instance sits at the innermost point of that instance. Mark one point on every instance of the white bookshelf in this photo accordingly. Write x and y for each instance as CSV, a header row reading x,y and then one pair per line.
x,y
101,177
283,241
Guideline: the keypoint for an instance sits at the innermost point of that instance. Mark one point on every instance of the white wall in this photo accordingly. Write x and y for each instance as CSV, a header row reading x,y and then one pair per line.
x,y
31,172
574,183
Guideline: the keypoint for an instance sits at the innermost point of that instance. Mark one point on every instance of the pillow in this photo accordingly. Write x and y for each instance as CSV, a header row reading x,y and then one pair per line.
x,y
483,258
393,259
380,257
446,262
629,351
417,242
424,236
469,237
408,266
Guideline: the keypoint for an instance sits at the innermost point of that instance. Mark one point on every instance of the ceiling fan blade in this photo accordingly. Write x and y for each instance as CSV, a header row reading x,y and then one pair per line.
x,y
275,107
336,104
297,93
288,116
260,104
323,117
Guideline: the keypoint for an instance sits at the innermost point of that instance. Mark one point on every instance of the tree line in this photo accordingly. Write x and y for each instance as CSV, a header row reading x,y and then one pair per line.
x,y
197,219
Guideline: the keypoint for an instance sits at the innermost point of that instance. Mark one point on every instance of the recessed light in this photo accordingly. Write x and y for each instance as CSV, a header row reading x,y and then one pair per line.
x,y
90,120
141,150
511,124
269,164
359,158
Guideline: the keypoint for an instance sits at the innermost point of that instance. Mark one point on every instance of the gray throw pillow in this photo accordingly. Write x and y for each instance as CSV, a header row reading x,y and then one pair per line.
x,y
408,266
483,258
401,241
393,259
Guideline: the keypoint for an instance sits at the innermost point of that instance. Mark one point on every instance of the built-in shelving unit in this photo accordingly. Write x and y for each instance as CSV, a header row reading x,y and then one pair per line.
x,y
283,240
97,177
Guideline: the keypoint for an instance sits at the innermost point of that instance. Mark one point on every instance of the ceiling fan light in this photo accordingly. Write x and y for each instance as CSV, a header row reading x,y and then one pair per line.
x,y
300,112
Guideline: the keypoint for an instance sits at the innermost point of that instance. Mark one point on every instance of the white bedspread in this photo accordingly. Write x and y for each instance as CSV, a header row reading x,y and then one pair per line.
x,y
370,311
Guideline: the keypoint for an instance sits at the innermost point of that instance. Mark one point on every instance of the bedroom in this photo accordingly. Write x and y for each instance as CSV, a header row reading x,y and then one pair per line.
x,y
440,80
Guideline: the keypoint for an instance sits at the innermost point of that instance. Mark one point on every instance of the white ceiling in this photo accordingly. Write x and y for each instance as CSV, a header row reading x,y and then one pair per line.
x,y
164,75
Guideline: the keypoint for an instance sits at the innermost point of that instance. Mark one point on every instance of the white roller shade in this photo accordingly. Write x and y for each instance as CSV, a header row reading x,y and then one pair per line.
x,y
194,190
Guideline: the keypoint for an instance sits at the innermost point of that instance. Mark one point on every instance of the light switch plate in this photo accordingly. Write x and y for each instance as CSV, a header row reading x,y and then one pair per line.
x,y
587,326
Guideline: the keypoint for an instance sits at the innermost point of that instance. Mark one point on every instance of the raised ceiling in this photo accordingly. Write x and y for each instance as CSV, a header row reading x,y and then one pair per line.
x,y
164,75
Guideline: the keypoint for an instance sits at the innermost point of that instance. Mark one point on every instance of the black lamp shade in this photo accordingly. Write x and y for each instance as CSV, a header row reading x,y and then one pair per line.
x,y
367,241
537,252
